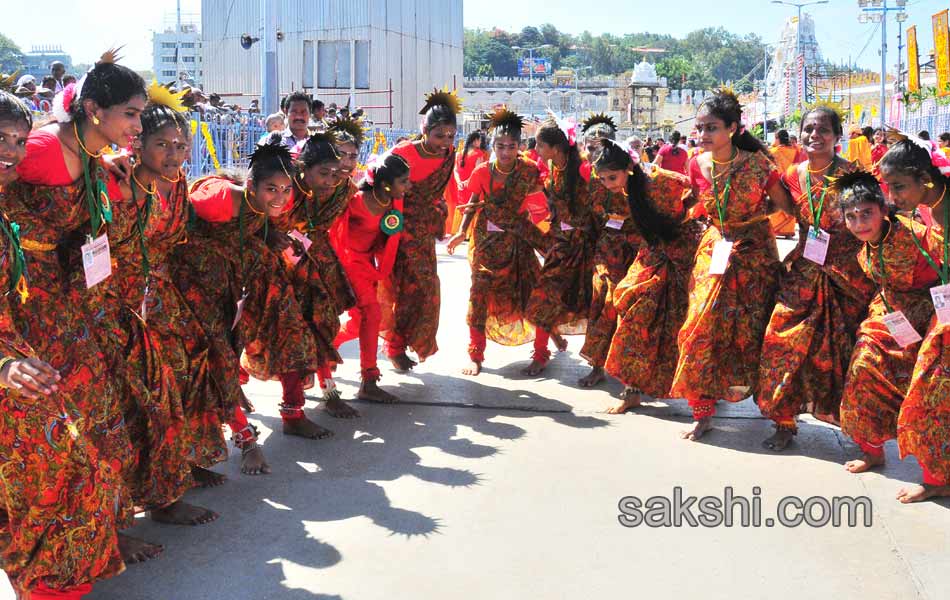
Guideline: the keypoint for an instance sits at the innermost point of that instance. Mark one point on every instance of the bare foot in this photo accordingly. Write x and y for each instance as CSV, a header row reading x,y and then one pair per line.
x,y
402,362
182,513
305,428
535,368
700,427
630,398
253,461
921,491
559,342
371,392
779,440
206,478
865,463
474,368
336,407
134,550
595,376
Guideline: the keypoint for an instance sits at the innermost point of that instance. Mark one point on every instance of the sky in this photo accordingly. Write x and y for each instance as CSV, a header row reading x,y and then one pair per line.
x,y
85,28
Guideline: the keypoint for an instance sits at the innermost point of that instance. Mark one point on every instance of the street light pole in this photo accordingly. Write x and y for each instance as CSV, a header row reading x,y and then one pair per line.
x,y
531,73
765,94
883,62
876,11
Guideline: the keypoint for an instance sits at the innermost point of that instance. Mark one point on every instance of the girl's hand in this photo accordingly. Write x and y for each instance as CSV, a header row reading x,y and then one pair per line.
x,y
31,377
119,164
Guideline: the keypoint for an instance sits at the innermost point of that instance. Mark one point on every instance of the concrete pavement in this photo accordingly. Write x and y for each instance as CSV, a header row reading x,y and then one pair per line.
x,y
503,486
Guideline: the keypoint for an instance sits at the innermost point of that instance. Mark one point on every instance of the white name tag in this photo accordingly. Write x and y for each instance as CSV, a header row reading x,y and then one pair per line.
x,y
941,298
493,227
289,255
239,312
96,260
143,310
720,257
566,227
901,329
615,223
816,245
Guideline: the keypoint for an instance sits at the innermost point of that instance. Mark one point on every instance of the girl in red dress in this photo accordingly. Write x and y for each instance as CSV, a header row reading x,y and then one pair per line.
x,y
410,299
561,300
918,180
736,268
457,193
367,238
60,495
103,110
894,254
822,298
651,300
251,307
505,268
164,344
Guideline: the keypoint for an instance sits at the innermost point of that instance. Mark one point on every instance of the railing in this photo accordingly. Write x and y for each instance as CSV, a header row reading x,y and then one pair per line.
x,y
227,142
928,116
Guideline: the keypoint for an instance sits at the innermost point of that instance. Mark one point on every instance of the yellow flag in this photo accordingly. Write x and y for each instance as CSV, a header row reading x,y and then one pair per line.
x,y
941,51
913,62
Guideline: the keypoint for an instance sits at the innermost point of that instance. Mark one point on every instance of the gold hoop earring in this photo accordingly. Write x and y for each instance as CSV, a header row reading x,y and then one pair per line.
x,y
95,120
387,188
929,184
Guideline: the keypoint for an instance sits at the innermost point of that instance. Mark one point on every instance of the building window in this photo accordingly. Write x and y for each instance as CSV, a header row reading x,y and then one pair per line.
x,y
187,59
333,69
188,45
168,59
168,73
168,44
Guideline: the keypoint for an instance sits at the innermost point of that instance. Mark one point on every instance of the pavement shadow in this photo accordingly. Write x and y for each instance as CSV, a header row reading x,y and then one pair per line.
x,y
270,539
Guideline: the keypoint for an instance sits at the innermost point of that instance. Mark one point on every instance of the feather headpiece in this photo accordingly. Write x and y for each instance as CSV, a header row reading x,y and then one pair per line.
x,y
161,95
504,121
442,97
348,126
598,119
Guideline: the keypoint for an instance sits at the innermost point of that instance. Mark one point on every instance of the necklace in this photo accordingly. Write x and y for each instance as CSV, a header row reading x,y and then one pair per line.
x,y
251,206
726,162
422,146
83,146
145,189
175,180
810,170
376,198
940,199
499,169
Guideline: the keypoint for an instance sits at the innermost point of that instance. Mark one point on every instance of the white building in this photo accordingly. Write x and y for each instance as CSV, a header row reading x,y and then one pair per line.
x,y
178,54
339,50
785,77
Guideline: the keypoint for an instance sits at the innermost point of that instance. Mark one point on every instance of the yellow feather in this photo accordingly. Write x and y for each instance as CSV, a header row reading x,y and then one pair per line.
x,y
159,94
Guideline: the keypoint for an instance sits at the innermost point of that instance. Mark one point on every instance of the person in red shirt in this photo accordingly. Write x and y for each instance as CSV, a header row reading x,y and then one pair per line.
x,y
472,154
412,295
505,269
672,156
367,238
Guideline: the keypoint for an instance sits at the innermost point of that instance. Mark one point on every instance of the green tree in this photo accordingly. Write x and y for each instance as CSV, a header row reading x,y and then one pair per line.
x,y
11,57
676,69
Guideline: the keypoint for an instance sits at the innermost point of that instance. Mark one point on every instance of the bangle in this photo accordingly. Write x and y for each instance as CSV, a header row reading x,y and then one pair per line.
x,y
4,362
